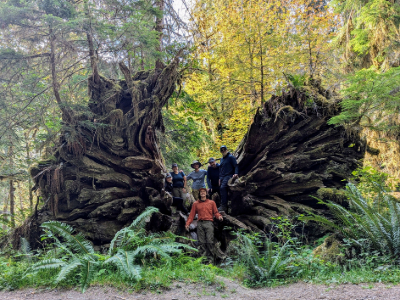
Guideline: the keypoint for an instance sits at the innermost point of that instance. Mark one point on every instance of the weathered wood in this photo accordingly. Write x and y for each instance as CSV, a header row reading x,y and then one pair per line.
x,y
99,180
100,177
289,153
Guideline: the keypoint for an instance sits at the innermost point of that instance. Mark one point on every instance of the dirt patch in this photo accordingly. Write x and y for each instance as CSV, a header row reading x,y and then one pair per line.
x,y
232,290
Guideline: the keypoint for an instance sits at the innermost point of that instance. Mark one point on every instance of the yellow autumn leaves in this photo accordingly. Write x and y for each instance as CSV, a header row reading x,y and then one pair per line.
x,y
243,49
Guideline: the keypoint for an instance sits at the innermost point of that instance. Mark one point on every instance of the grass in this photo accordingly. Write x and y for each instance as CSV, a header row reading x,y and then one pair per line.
x,y
185,270
155,276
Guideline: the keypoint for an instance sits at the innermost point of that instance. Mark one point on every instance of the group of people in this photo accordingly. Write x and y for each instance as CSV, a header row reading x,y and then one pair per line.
x,y
217,177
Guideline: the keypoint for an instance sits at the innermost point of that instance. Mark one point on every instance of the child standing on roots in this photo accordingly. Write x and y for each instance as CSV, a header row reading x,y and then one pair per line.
x,y
198,176
206,210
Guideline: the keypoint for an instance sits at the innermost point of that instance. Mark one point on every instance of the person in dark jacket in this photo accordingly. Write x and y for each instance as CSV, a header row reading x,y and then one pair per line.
x,y
176,201
228,169
213,177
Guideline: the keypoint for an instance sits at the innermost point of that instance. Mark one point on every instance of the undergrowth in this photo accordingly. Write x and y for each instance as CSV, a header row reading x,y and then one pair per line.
x,y
366,230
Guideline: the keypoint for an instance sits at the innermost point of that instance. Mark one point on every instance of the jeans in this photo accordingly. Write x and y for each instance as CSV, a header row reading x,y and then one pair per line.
x,y
224,190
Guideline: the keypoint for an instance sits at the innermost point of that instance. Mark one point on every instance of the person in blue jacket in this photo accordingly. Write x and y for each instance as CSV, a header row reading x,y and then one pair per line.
x,y
213,177
228,168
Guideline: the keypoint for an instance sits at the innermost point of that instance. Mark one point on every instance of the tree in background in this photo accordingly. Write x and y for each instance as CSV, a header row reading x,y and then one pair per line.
x,y
47,50
243,51
369,39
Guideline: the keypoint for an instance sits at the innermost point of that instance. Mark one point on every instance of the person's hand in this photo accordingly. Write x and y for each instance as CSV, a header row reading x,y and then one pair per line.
x,y
209,191
235,176
180,171
220,218
184,190
187,227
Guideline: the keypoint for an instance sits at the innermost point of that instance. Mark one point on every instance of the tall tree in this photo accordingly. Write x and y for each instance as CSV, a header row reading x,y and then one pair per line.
x,y
243,49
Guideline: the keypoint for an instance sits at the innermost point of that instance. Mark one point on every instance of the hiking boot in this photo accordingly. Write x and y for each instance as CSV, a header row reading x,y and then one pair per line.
x,y
223,208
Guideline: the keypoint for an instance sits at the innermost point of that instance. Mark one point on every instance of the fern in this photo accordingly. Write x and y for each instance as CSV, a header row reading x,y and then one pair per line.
x,y
77,242
264,263
364,221
137,225
124,261
129,247
45,264
67,268
88,270
80,252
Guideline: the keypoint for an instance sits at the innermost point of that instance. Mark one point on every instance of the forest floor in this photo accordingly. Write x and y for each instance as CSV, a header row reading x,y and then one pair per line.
x,y
228,290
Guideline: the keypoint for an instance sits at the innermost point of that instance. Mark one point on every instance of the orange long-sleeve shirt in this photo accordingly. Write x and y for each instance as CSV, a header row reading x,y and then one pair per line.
x,y
205,211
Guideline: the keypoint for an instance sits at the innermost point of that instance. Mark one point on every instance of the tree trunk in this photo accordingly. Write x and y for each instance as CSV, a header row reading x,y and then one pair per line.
x,y
5,212
28,162
101,176
12,203
290,154
160,4
106,174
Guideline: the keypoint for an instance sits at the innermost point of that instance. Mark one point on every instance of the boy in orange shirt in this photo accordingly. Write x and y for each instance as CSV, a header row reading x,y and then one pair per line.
x,y
205,209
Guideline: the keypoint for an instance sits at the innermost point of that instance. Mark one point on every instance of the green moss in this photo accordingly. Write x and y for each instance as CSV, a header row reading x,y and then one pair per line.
x,y
329,250
335,195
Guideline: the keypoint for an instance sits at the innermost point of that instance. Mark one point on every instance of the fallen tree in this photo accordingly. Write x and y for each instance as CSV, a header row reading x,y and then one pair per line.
x,y
107,167
291,154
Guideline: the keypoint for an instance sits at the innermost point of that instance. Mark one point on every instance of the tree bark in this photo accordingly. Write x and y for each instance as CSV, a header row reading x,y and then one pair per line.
x,y
100,177
160,4
291,154
12,203
105,176
5,211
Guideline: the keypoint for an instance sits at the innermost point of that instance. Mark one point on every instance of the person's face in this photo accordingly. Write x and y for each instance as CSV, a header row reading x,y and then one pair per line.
x,y
196,166
169,179
203,193
213,164
224,151
174,169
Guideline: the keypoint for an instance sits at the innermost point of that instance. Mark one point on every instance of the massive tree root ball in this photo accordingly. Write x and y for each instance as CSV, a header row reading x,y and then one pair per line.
x,y
291,154
107,167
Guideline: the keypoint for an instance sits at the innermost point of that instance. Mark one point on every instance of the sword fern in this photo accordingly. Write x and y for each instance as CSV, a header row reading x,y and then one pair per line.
x,y
364,221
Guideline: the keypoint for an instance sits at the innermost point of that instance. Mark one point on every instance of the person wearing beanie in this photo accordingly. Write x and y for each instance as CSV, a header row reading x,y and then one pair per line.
x,y
206,210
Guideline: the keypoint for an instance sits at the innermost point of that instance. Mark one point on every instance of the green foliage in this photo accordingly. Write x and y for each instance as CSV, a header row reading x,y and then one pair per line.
x,y
79,254
184,134
296,80
130,249
371,182
371,100
131,245
265,262
365,224
370,32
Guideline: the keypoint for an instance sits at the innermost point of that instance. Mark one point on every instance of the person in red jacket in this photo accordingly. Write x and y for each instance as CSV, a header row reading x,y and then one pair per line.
x,y
206,210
